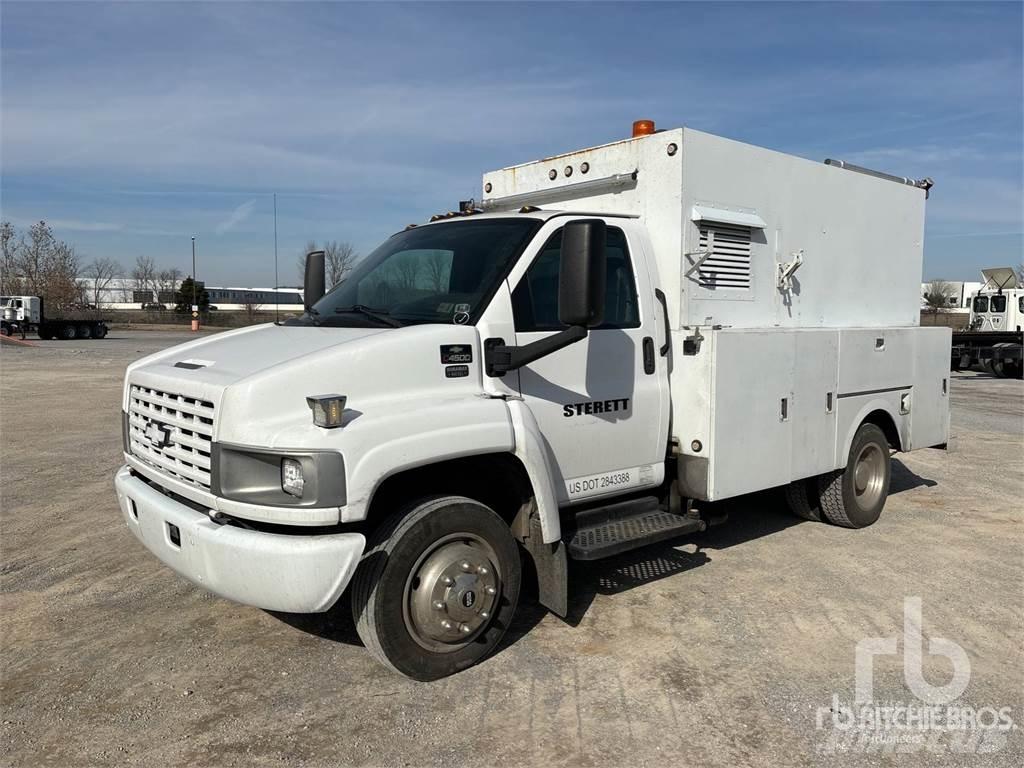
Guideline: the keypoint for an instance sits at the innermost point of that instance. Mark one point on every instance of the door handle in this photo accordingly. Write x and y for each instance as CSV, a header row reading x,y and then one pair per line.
x,y
660,296
648,355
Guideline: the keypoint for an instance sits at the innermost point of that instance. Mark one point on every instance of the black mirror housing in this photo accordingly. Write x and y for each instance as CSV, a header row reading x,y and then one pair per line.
x,y
582,274
315,281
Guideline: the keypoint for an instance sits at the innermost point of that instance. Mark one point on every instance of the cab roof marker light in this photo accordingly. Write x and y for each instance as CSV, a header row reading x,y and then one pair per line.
x,y
328,410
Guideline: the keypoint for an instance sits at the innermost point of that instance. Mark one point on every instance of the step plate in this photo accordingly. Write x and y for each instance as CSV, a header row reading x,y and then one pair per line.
x,y
626,533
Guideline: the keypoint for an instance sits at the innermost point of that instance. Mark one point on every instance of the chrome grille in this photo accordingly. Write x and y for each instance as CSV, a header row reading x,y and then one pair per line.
x,y
171,433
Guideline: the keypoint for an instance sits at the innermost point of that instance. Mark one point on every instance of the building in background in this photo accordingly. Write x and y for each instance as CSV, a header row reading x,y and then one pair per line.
x,y
129,293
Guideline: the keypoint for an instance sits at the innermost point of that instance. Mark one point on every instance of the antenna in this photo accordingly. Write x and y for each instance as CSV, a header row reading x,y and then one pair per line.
x,y
277,292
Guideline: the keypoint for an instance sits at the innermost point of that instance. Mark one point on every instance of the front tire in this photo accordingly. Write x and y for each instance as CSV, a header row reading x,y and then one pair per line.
x,y
854,497
437,587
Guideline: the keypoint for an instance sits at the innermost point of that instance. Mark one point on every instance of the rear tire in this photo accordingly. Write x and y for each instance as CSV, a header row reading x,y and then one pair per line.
x,y
802,498
66,332
99,331
5,330
84,331
854,497
437,587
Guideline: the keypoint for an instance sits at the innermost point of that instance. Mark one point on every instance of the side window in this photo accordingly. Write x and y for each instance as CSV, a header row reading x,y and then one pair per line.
x,y
535,299
1020,304
998,303
981,303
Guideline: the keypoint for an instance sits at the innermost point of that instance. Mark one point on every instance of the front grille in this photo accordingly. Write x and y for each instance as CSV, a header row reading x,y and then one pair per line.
x,y
171,433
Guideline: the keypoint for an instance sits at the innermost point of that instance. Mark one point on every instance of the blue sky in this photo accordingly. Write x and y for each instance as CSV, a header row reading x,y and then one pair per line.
x,y
131,127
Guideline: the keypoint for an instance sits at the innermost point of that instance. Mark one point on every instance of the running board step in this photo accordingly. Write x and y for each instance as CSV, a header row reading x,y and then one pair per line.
x,y
618,528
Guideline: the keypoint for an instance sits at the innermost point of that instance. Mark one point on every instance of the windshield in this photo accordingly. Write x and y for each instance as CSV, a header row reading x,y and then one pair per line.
x,y
981,303
998,303
443,273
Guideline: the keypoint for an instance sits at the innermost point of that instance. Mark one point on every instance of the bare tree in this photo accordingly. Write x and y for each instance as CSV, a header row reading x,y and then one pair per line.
x,y
407,270
39,265
167,282
301,263
144,274
438,267
102,273
250,307
339,257
10,278
937,295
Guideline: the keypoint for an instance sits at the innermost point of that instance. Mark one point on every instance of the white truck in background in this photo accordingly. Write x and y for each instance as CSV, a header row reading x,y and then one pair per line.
x,y
572,368
994,338
22,314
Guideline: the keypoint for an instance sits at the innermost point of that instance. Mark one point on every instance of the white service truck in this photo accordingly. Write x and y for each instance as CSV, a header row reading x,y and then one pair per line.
x,y
574,367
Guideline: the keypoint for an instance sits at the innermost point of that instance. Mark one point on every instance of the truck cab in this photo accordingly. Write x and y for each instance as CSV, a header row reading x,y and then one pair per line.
x,y
579,364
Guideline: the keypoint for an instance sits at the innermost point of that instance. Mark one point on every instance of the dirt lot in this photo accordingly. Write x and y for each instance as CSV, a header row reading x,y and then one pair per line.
x,y
717,651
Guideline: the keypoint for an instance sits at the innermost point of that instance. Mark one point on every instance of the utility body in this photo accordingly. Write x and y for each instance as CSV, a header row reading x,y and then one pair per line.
x,y
24,314
995,335
582,363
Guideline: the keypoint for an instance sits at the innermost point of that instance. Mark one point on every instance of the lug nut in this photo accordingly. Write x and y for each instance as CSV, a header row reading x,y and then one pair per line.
x,y
491,590
438,605
482,570
446,579
464,628
484,614
466,566
446,624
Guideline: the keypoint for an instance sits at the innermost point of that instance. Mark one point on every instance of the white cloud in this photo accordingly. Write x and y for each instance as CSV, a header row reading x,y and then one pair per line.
x,y
237,216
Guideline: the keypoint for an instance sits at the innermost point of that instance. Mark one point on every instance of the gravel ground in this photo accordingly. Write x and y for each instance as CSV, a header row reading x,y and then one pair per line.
x,y
720,650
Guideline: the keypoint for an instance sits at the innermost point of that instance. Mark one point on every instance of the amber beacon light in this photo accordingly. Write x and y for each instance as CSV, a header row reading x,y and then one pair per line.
x,y
643,128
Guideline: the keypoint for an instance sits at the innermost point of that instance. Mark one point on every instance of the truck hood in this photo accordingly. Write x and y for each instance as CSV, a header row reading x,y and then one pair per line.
x,y
226,358
258,378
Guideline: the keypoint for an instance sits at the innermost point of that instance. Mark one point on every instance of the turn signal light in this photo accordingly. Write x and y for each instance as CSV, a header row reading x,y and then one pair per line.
x,y
328,410
643,128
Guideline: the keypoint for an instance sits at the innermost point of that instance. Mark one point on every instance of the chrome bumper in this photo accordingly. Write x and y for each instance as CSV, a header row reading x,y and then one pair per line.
x,y
277,572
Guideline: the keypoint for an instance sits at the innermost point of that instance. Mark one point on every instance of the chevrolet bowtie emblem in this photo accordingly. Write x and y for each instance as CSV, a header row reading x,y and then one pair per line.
x,y
158,434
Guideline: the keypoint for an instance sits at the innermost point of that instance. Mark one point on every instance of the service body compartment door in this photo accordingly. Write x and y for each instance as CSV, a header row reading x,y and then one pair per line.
x,y
813,413
752,411
929,407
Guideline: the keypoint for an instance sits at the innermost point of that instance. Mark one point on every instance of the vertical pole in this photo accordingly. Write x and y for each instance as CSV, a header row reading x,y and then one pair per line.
x,y
195,303
277,295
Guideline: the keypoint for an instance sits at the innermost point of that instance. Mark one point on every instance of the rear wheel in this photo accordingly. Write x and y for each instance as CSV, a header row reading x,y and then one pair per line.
x,y
99,331
6,331
437,587
802,498
66,332
854,497
84,331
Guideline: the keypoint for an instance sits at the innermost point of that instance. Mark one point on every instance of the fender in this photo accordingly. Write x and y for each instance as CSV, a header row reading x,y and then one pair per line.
x,y
418,434
531,451
875,404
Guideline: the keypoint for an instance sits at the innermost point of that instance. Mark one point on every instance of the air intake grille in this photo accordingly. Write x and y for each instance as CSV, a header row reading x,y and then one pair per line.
x,y
728,266
172,433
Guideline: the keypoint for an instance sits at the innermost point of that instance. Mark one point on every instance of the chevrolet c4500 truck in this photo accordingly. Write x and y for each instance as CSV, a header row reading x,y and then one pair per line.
x,y
577,365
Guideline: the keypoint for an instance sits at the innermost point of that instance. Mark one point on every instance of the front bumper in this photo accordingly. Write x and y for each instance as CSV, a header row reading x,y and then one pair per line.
x,y
277,572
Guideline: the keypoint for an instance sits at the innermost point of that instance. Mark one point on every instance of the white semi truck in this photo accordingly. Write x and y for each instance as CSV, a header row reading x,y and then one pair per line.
x,y
574,367
994,339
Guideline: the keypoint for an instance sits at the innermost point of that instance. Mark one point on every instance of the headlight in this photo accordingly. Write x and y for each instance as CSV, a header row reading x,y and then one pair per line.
x,y
291,477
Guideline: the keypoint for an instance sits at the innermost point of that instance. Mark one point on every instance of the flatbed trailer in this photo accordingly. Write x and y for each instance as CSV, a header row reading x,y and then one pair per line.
x,y
24,314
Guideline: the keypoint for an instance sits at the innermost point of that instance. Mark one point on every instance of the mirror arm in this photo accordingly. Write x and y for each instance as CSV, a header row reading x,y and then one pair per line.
x,y
499,359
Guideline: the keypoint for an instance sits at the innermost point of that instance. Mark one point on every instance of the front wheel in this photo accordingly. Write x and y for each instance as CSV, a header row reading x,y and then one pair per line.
x,y
854,497
437,587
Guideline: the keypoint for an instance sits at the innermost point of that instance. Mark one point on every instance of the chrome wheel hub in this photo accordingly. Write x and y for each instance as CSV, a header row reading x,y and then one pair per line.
x,y
869,475
451,593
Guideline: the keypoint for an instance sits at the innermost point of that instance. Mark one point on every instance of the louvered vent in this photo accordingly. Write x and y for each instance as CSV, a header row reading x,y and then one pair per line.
x,y
728,266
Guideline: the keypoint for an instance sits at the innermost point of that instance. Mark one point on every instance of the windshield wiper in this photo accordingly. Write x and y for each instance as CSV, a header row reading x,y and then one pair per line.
x,y
380,315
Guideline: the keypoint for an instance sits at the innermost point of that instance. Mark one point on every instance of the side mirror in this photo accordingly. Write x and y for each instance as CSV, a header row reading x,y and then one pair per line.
x,y
581,277
313,288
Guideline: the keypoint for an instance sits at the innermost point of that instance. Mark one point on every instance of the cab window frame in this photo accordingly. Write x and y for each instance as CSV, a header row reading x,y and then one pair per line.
x,y
520,322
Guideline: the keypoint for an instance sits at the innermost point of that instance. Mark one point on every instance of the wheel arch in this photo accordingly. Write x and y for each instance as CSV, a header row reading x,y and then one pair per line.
x,y
880,413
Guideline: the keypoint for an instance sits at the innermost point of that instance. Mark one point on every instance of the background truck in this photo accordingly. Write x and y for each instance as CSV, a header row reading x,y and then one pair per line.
x,y
579,365
995,335
24,314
